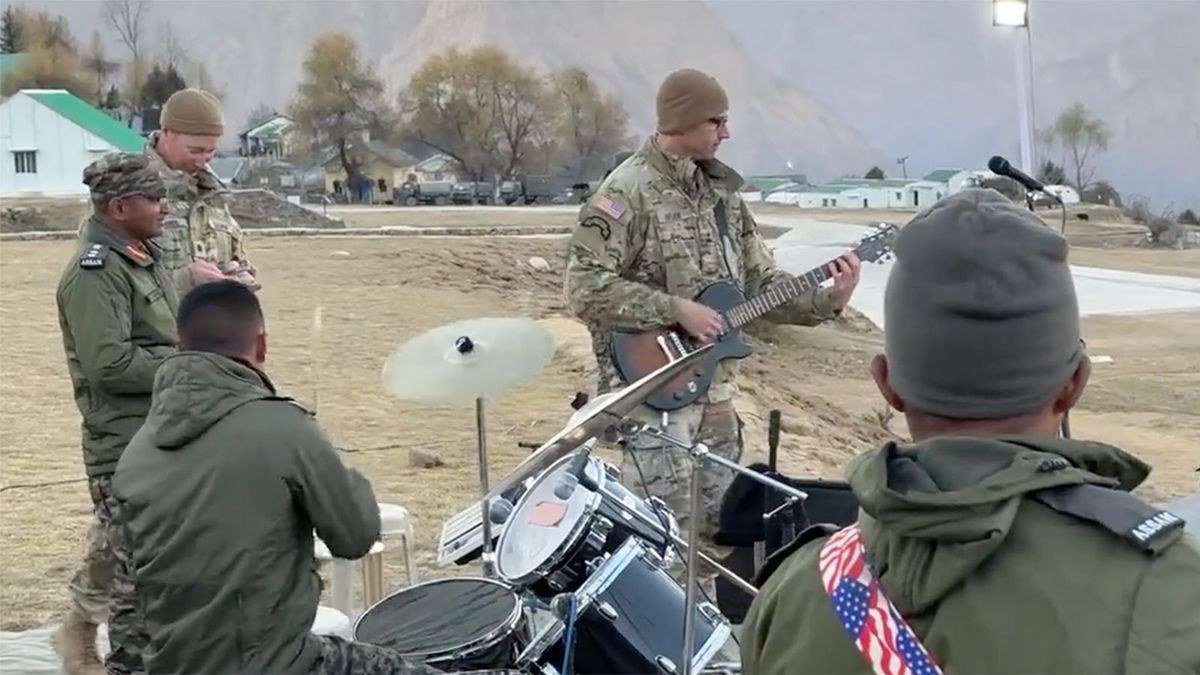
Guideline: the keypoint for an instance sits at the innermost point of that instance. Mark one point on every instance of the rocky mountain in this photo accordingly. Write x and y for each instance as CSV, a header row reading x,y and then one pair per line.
x,y
255,50
1147,90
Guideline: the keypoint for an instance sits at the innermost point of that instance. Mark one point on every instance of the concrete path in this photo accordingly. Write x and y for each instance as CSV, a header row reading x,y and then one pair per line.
x,y
1101,291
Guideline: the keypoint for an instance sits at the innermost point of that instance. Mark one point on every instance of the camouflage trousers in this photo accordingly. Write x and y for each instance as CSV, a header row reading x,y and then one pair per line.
x,y
343,657
127,636
90,585
101,589
668,471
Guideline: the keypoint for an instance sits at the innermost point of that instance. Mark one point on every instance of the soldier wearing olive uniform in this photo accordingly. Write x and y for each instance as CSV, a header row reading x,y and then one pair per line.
x,y
116,310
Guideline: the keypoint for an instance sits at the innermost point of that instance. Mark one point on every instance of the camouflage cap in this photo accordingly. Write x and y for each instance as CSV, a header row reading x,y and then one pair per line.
x,y
121,174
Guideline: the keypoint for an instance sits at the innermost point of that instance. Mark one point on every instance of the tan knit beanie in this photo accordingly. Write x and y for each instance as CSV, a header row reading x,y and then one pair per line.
x,y
193,111
687,99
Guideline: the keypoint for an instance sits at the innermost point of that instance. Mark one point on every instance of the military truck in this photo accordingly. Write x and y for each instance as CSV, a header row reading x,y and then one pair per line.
x,y
413,193
532,189
478,192
578,193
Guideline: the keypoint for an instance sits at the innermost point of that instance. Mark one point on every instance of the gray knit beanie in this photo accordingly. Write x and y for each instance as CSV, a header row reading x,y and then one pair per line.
x,y
981,319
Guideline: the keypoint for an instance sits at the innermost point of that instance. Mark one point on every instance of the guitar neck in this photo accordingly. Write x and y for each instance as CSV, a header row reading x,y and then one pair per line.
x,y
776,296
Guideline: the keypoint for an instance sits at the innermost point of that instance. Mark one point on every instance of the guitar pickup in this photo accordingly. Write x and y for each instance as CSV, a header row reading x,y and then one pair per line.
x,y
662,344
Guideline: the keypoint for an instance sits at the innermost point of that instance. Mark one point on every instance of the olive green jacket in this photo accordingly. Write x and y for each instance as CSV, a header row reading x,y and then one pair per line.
x,y
220,493
116,310
1000,564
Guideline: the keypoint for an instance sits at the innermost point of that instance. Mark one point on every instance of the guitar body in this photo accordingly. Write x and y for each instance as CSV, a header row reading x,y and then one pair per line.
x,y
636,355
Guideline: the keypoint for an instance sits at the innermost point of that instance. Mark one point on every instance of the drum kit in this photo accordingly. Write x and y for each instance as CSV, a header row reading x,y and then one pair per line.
x,y
576,567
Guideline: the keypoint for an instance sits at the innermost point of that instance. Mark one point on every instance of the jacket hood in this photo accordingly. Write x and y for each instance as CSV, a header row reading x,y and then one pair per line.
x,y
195,390
932,512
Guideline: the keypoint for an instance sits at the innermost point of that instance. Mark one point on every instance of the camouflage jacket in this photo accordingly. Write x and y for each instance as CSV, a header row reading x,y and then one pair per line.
x,y
650,233
116,309
198,225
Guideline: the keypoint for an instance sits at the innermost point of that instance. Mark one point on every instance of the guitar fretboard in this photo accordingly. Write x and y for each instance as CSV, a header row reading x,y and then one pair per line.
x,y
776,296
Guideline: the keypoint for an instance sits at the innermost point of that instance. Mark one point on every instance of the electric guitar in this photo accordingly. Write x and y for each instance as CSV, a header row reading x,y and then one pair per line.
x,y
636,354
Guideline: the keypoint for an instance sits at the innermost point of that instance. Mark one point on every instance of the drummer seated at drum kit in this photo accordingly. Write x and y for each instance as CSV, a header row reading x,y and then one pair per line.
x,y
221,491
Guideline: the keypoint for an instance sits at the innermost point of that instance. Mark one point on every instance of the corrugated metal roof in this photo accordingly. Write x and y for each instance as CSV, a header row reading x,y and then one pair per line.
x,y
874,182
820,189
943,175
93,120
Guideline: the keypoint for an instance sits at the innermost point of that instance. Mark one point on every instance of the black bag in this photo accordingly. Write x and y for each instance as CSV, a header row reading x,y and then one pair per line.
x,y
741,525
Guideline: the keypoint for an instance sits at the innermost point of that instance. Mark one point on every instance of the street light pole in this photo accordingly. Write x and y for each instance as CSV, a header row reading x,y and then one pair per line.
x,y
1015,14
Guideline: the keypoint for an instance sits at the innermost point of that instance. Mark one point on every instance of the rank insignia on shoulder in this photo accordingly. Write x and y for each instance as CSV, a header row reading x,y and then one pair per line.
x,y
93,257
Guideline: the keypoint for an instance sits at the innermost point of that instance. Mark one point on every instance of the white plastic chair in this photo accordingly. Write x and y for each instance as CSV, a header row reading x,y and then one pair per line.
x,y
395,522
341,589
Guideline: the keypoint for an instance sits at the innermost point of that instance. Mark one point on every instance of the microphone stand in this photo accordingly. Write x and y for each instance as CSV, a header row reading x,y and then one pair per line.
x,y
1064,427
698,453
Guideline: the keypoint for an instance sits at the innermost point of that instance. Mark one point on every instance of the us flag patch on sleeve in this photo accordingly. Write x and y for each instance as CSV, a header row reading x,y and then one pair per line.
x,y
609,206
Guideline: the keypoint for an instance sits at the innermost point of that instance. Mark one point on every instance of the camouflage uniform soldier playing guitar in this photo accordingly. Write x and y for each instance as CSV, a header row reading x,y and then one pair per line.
x,y
664,225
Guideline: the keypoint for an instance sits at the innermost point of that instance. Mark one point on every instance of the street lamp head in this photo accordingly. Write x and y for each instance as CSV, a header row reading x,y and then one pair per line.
x,y
1013,13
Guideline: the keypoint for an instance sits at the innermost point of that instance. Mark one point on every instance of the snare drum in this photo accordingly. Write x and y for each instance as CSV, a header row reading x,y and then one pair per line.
x,y
549,542
458,624
629,618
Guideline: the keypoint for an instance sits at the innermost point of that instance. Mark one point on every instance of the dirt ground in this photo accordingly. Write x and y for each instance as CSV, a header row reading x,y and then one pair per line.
x,y
374,294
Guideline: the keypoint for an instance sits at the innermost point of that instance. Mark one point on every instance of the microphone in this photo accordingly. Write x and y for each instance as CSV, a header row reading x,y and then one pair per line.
x,y
1001,166
574,475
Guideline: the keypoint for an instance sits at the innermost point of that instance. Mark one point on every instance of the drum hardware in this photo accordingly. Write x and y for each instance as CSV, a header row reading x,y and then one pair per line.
x,y
620,405
774,425
470,361
698,453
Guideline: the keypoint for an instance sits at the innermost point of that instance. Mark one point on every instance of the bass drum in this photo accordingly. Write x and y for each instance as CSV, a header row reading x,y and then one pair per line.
x,y
628,618
460,624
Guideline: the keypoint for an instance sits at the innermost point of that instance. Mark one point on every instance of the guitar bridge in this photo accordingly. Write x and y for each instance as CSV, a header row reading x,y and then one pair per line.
x,y
679,352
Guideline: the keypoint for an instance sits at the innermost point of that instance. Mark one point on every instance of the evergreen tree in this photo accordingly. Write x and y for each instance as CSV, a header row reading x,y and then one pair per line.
x,y
12,39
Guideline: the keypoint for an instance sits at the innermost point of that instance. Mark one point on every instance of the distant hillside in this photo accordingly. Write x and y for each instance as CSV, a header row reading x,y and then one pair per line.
x,y
256,49
1151,105
629,47
935,80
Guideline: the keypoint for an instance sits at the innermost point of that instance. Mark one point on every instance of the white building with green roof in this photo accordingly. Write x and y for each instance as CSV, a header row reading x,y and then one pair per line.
x,y
47,137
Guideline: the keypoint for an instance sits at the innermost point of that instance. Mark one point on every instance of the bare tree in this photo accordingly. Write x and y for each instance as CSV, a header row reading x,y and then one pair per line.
x,y
1080,135
98,65
173,52
125,16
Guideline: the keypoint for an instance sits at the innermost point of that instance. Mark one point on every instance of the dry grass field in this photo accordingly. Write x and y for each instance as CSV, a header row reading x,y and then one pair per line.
x,y
376,293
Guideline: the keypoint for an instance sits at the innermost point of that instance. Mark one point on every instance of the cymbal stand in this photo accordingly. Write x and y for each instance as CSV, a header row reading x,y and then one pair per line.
x,y
464,345
488,557
698,453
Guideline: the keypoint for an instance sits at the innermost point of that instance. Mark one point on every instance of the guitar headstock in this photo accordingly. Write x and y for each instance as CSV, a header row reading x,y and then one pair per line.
x,y
877,244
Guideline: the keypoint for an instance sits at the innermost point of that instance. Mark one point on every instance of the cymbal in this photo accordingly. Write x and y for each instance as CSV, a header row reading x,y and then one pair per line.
x,y
468,360
585,425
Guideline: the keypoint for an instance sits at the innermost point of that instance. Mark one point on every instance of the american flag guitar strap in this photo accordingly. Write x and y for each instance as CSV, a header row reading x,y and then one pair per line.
x,y
882,636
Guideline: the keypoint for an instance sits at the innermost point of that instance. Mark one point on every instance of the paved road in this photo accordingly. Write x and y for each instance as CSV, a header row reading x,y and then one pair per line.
x,y
1100,291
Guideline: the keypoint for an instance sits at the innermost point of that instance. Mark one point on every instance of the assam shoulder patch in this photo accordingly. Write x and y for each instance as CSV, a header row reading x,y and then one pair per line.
x,y
1145,527
93,256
